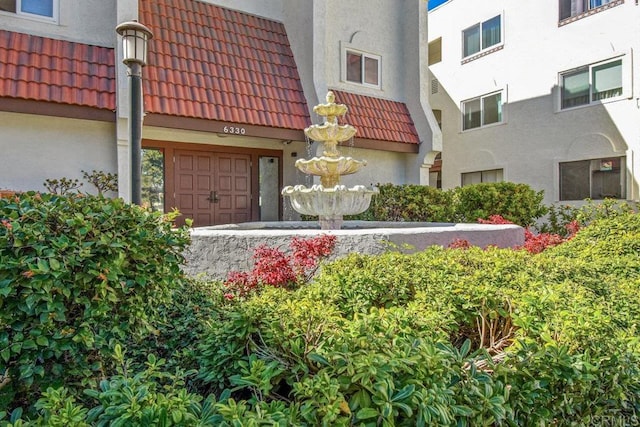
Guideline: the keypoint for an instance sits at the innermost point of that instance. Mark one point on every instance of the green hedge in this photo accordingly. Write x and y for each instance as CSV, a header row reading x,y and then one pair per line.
x,y
515,202
77,274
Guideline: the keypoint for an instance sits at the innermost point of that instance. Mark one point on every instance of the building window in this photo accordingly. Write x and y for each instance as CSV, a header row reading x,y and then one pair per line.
x,y
591,83
482,111
492,175
435,51
362,68
36,8
438,115
593,179
435,172
481,36
571,8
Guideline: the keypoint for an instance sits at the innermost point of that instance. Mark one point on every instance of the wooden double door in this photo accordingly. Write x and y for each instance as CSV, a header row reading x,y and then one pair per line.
x,y
212,188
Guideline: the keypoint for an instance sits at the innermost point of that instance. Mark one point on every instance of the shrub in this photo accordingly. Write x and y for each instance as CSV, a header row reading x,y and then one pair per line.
x,y
441,337
560,217
515,202
77,274
409,203
273,267
445,337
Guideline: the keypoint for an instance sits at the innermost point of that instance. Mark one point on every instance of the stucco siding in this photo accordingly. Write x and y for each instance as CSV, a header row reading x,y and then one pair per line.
x,y
535,134
87,21
36,148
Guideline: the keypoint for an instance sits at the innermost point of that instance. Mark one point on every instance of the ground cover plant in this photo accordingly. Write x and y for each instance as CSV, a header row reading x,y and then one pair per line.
x,y
444,337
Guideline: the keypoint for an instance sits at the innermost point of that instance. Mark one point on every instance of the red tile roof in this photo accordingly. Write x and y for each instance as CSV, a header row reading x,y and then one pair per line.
x,y
44,69
378,119
209,62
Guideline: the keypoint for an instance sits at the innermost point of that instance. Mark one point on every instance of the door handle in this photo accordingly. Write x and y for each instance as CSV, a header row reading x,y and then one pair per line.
x,y
213,197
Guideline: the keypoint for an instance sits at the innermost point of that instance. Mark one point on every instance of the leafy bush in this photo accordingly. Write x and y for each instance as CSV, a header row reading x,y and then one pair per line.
x,y
77,274
409,203
560,216
273,267
441,337
445,337
515,202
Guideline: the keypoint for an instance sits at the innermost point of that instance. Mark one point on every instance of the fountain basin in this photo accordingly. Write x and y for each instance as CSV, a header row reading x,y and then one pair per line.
x,y
216,250
329,204
330,132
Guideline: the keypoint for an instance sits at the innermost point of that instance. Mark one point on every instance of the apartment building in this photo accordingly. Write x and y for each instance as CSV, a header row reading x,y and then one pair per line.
x,y
228,88
543,93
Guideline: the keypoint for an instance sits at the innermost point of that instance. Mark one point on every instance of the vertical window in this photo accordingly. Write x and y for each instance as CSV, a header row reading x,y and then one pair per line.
x,y
435,51
479,177
481,36
575,88
591,83
482,111
152,179
269,202
435,172
607,80
570,8
595,179
438,115
40,8
362,68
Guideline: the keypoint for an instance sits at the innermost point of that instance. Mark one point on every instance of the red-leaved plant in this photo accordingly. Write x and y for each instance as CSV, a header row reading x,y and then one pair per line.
x,y
533,243
273,267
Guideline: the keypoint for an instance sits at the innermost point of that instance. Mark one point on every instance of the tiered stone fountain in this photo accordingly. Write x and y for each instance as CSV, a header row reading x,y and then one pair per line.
x,y
330,200
219,249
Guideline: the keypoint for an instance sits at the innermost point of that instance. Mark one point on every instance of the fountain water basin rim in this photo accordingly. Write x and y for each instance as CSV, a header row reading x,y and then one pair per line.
x,y
330,201
216,250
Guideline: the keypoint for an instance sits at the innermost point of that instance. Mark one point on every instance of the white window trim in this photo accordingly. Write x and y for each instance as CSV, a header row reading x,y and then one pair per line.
x,y
503,101
482,51
588,12
345,50
627,82
32,16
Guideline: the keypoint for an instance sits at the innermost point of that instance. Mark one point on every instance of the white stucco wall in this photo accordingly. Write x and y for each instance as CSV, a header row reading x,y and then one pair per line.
x,y
535,136
86,21
36,148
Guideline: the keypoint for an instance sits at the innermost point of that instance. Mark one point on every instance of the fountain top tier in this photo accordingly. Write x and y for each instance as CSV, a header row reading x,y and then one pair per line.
x,y
330,133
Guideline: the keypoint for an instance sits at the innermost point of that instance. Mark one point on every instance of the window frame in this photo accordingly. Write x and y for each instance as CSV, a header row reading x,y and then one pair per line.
x,y
55,4
591,171
589,70
483,50
481,98
482,172
588,9
364,55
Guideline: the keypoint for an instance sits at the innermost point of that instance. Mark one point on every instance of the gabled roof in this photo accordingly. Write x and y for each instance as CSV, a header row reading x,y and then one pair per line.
x,y
44,69
209,62
378,119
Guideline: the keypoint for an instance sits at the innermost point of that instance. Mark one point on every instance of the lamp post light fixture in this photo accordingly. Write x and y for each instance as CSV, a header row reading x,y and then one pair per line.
x,y
134,47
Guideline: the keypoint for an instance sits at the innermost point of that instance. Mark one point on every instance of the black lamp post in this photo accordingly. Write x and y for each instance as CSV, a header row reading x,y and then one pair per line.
x,y
134,46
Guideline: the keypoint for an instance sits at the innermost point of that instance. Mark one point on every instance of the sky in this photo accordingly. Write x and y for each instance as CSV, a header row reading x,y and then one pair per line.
x,y
434,3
